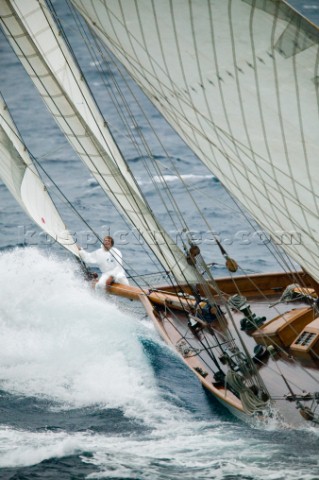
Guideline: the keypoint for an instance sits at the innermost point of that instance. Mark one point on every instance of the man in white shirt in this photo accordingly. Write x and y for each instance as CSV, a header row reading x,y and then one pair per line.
x,y
109,260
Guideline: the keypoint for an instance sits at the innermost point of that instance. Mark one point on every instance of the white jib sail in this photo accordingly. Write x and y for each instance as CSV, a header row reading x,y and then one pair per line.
x,y
239,81
37,42
19,174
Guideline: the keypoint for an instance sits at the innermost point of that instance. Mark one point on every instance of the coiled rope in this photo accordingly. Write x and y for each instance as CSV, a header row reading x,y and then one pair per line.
x,y
251,403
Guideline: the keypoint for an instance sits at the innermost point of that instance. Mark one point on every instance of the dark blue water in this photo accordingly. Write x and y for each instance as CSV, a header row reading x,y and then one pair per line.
x,y
87,388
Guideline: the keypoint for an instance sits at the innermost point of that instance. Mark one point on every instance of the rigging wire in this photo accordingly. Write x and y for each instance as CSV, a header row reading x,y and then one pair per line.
x,y
102,177
168,246
156,164
93,231
101,48
128,115
205,220
38,167
145,116
132,117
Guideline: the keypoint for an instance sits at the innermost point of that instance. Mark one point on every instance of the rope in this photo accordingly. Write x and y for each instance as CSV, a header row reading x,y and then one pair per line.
x,y
251,403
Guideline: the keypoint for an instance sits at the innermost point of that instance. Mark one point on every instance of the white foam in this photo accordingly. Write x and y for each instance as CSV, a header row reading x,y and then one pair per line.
x,y
197,451
186,177
61,341
185,449
21,448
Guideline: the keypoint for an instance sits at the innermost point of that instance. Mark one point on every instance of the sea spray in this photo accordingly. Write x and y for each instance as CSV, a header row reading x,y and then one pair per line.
x,y
61,341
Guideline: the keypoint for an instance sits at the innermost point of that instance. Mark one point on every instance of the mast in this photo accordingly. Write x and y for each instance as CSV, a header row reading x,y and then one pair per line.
x,y
34,36
19,174
239,82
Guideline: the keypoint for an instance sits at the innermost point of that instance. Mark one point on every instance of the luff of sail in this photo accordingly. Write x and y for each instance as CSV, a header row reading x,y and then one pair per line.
x,y
20,176
239,81
34,36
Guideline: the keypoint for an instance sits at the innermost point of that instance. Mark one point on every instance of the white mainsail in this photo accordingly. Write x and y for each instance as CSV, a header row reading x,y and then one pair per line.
x,y
239,81
35,38
19,174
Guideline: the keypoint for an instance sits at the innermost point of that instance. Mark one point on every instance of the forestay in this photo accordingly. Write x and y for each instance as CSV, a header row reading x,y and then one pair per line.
x,y
239,81
34,36
19,174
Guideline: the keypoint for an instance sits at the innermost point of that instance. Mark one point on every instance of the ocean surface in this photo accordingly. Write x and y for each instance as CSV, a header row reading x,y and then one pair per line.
x,y
87,387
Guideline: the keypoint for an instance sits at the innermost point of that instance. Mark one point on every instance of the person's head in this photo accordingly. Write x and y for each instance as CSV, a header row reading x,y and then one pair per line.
x,y
108,242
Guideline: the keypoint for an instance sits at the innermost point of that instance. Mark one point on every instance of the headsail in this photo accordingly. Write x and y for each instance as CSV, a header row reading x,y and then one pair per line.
x,y
19,174
239,81
34,36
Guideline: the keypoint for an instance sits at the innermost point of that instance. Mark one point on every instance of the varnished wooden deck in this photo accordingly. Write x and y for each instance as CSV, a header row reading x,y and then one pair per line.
x,y
282,374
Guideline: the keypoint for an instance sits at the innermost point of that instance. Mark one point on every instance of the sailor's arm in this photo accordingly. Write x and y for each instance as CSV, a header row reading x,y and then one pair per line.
x,y
87,257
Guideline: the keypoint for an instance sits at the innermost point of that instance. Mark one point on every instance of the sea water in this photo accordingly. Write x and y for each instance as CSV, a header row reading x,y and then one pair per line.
x,y
87,387
90,390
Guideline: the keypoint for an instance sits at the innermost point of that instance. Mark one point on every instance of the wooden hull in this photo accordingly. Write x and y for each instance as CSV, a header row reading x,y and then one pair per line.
x,y
287,377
